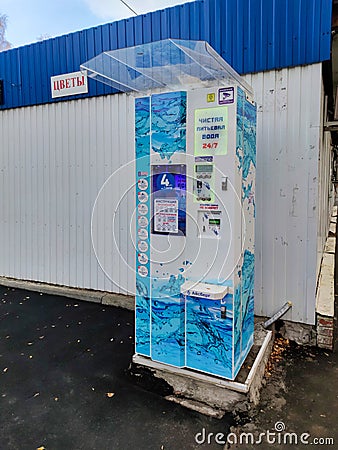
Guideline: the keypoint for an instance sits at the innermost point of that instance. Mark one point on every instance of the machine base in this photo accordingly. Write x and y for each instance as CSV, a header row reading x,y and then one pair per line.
x,y
210,392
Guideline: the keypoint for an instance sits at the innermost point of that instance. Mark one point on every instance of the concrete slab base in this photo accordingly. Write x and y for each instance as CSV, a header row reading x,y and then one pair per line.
x,y
211,395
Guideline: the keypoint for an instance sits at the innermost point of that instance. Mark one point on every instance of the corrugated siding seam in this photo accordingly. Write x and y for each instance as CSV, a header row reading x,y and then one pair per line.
x,y
251,35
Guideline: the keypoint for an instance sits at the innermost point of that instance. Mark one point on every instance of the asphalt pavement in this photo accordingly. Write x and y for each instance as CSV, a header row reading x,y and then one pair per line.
x,y
65,384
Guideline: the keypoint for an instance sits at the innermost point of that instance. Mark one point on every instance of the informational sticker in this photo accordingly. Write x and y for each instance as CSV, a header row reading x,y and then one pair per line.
x,y
211,131
142,258
166,215
208,207
142,271
142,209
142,184
143,221
142,233
142,196
143,246
226,96
209,159
142,173
211,97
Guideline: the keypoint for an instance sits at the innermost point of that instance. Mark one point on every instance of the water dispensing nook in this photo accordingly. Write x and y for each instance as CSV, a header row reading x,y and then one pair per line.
x,y
209,328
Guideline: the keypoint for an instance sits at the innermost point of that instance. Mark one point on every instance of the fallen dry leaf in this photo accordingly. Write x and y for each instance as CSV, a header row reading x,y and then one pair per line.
x,y
279,347
29,343
110,394
36,394
5,369
41,448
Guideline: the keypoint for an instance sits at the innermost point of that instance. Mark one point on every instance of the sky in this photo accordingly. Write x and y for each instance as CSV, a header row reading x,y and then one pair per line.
x,y
30,19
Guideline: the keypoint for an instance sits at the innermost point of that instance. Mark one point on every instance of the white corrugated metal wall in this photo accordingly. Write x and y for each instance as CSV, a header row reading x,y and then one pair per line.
x,y
289,140
326,195
55,159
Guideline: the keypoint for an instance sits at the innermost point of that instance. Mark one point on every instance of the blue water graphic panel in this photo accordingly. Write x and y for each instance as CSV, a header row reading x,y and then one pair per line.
x,y
142,153
167,339
209,336
168,123
237,325
249,207
167,321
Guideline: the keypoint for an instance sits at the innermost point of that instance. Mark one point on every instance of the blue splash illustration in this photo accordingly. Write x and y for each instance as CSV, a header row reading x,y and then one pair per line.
x,y
167,332
142,127
168,123
164,287
247,309
246,133
141,288
246,145
167,321
244,309
237,323
142,310
208,336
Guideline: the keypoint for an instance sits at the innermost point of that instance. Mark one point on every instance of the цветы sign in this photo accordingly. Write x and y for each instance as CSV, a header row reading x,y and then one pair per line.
x,y
69,84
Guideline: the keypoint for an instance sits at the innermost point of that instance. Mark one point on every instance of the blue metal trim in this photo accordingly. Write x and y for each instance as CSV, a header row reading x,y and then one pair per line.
x,y
251,35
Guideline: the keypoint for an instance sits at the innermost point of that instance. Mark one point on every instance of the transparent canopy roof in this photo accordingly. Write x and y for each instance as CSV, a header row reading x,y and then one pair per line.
x,y
171,63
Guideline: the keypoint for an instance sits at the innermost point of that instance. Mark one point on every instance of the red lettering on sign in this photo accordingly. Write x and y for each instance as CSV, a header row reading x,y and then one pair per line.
x,y
56,85
80,81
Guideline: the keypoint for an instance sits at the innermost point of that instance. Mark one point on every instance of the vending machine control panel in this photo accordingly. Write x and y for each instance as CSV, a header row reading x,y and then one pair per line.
x,y
204,181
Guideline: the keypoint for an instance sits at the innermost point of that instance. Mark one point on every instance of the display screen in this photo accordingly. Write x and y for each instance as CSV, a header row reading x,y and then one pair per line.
x,y
169,199
204,168
215,222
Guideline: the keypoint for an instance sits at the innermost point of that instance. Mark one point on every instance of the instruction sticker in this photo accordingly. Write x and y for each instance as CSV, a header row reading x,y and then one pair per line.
x,y
166,215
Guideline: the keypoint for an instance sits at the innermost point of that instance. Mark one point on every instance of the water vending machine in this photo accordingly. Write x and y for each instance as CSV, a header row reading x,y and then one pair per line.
x,y
195,212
